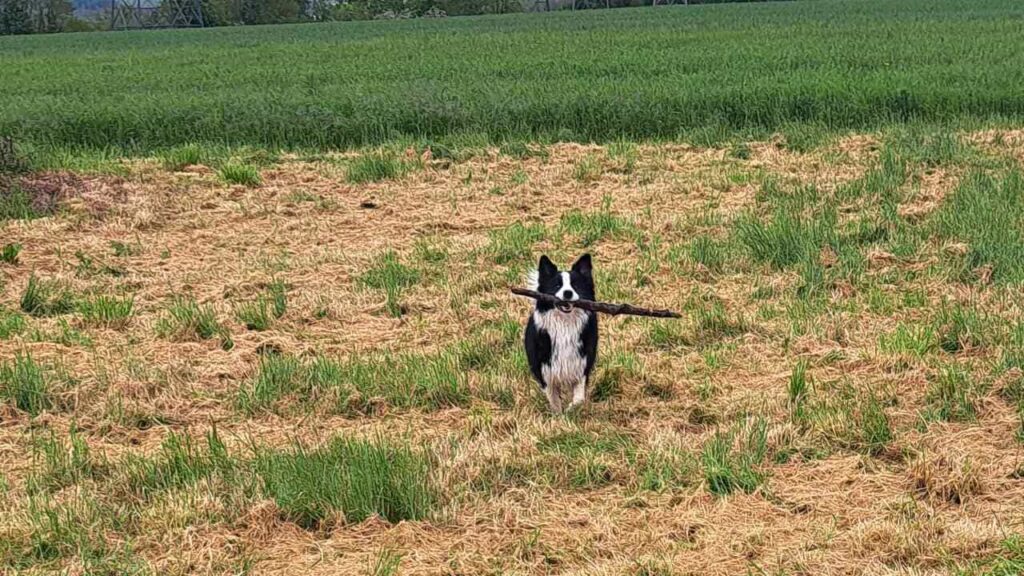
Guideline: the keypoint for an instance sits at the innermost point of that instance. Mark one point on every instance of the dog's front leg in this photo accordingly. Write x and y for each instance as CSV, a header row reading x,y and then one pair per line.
x,y
579,393
554,398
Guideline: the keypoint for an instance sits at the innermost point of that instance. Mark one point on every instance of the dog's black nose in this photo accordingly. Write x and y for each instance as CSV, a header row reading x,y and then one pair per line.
x,y
567,295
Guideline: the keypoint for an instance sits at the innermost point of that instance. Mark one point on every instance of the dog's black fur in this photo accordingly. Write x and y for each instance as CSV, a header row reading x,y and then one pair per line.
x,y
561,341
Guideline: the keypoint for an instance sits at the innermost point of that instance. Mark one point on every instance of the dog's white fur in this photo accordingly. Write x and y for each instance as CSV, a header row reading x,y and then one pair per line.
x,y
567,366
532,280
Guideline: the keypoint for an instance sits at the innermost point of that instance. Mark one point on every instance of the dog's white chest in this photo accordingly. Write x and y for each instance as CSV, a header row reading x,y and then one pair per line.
x,y
567,364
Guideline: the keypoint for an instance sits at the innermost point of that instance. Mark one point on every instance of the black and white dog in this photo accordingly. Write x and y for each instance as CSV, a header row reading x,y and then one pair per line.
x,y
561,341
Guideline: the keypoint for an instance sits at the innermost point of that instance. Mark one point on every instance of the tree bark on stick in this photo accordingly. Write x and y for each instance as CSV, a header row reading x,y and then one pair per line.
x,y
603,307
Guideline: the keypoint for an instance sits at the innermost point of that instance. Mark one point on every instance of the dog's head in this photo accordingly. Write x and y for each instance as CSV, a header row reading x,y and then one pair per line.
x,y
577,283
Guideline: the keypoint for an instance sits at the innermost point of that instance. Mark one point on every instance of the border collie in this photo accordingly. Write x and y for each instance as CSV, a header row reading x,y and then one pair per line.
x,y
561,341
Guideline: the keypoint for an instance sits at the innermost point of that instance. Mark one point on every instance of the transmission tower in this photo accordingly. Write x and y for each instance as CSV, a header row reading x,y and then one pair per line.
x,y
137,14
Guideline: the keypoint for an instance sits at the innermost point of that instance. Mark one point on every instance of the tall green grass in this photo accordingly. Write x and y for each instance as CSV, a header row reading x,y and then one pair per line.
x,y
187,320
354,478
391,276
428,381
704,73
731,465
46,297
26,384
986,212
179,462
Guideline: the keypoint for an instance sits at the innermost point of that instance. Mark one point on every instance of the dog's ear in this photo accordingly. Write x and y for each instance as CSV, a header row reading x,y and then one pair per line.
x,y
546,267
584,265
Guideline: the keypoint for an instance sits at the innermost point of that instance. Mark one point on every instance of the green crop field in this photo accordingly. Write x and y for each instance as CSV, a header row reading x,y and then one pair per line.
x,y
702,73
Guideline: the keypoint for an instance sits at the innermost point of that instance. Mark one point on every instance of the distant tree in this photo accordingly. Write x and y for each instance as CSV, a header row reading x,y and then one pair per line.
x,y
272,11
14,17
221,12
50,15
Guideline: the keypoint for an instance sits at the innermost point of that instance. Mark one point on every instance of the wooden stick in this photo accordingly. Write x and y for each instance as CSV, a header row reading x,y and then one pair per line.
x,y
604,307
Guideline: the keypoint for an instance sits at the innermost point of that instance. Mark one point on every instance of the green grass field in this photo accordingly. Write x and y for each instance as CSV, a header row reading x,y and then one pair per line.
x,y
702,73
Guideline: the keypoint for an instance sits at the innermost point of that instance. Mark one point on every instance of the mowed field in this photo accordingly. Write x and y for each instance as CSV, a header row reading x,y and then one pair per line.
x,y
321,371
700,73
228,348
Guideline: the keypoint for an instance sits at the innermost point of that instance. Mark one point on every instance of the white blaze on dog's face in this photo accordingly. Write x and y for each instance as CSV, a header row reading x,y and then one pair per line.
x,y
574,284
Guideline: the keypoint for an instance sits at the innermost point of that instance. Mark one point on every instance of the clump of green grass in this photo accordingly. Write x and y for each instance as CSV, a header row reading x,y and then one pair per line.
x,y
513,244
46,298
88,266
186,320
798,388
874,430
9,253
244,174
71,527
587,169
916,341
61,464
618,368
255,315
731,465
667,468
788,238
179,462
180,157
953,395
707,252
961,327
709,323
575,443
376,166
104,311
351,478
986,212
880,183
624,156
11,323
16,204
591,227
386,563
278,295
25,384
276,377
388,274
519,177
260,313
429,381
1013,348
804,136
430,253
713,323
667,335
841,415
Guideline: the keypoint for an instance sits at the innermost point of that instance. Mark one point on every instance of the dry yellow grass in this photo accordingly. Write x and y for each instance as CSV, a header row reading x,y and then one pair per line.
x,y
935,497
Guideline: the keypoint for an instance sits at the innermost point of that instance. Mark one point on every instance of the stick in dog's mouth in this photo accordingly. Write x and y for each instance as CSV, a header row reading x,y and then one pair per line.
x,y
564,306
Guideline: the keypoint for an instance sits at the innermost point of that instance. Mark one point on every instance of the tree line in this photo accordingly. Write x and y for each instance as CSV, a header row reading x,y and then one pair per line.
x,y
47,16
35,16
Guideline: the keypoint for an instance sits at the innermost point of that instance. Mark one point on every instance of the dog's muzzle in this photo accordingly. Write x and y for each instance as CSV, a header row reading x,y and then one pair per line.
x,y
564,306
